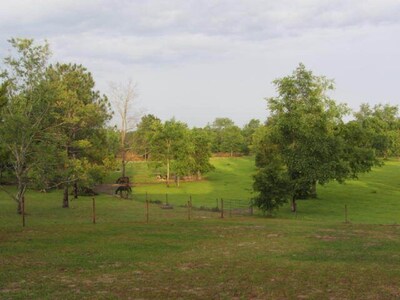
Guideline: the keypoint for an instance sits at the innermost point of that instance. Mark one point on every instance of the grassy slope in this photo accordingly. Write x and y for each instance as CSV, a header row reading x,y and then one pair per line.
x,y
61,255
374,198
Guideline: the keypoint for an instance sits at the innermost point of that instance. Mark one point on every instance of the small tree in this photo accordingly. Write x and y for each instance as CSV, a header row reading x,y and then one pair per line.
x,y
172,146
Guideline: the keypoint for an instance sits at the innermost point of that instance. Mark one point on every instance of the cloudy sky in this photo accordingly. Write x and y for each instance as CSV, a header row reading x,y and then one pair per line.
x,y
200,59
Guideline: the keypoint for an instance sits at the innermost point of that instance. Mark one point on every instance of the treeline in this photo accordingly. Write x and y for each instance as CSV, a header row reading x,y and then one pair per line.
x,y
179,151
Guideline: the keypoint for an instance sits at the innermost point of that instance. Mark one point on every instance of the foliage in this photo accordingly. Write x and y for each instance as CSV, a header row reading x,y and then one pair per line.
x,y
143,136
248,131
381,126
226,136
81,137
172,148
304,139
26,108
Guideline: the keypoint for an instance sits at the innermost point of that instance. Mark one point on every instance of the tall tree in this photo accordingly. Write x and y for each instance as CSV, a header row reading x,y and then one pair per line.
x,y
123,98
82,113
303,141
25,109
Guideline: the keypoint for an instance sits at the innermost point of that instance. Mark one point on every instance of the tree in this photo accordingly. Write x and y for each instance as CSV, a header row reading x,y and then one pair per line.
x,y
26,108
247,132
303,142
82,113
201,152
227,137
123,98
144,134
382,128
172,147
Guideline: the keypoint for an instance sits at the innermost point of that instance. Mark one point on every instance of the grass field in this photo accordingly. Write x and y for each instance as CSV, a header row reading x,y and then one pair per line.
x,y
313,255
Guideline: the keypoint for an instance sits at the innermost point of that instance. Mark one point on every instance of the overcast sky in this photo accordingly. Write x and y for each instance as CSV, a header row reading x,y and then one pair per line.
x,y
197,60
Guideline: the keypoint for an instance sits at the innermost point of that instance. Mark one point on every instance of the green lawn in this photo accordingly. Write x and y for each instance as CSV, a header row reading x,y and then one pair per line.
x,y
60,254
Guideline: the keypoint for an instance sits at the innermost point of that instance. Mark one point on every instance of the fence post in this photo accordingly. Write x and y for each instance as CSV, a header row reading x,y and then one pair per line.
x,y
94,211
222,208
147,211
188,209
23,211
345,214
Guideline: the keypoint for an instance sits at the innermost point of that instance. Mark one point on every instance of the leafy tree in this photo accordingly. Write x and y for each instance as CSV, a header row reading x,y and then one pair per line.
x,y
303,142
26,107
381,127
247,132
82,113
171,146
227,137
144,134
201,152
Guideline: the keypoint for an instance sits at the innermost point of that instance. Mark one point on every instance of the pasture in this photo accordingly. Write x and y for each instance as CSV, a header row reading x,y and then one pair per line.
x,y
60,254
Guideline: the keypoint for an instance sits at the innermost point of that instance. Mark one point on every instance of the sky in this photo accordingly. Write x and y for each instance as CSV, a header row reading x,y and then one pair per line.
x,y
197,60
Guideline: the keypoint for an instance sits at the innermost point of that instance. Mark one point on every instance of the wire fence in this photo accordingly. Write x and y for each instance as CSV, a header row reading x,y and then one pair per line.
x,y
144,207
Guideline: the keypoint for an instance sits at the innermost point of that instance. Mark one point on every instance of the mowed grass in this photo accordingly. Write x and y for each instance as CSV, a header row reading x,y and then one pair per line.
x,y
60,254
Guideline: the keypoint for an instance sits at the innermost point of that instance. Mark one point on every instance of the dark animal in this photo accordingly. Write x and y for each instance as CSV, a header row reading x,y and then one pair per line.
x,y
123,180
123,188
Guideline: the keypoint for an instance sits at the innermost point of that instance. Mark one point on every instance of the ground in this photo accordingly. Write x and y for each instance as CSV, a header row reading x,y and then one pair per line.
x,y
311,255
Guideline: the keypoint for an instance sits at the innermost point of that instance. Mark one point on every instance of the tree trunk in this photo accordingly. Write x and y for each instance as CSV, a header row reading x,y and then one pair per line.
x,y
20,194
167,172
75,190
294,206
198,175
313,193
178,180
19,207
123,163
65,198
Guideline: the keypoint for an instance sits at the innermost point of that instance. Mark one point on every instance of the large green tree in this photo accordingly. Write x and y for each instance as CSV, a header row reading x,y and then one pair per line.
x,y
303,145
26,109
82,114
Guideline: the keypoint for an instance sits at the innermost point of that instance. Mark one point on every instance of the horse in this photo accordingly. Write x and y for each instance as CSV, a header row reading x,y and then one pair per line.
x,y
123,180
123,188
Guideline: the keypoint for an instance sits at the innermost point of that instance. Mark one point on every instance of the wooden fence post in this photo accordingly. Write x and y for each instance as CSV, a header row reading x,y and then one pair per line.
x,y
188,211
23,211
222,208
94,211
345,214
146,207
